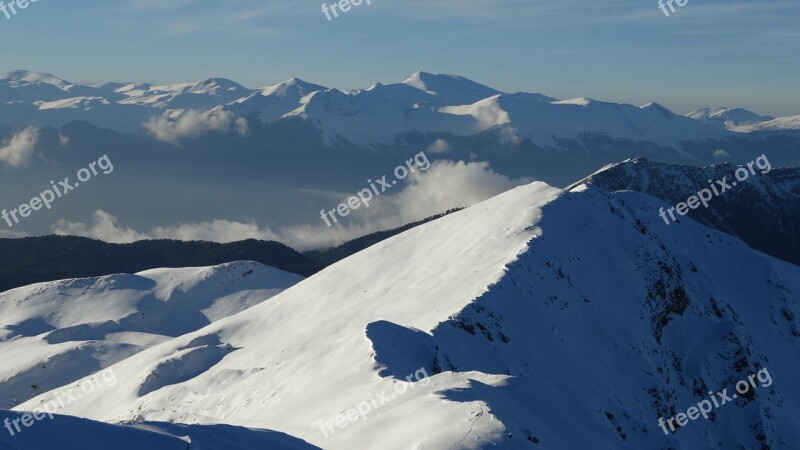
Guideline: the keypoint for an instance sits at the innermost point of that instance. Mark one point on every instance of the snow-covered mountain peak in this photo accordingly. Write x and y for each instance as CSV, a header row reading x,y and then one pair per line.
x,y
728,117
210,86
451,90
214,84
763,211
293,86
658,107
34,78
128,87
418,80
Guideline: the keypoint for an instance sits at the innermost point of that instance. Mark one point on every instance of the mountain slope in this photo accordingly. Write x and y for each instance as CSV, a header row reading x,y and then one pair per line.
x,y
791,123
544,122
54,333
764,211
70,433
332,255
730,118
531,312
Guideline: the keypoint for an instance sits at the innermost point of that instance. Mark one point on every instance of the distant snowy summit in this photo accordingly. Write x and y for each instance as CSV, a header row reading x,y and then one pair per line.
x,y
731,118
379,115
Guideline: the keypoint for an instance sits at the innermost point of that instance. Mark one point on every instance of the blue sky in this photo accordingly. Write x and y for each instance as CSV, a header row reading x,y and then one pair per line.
x,y
708,53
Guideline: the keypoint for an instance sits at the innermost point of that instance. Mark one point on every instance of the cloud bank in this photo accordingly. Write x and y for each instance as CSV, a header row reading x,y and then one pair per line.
x,y
179,124
446,185
19,150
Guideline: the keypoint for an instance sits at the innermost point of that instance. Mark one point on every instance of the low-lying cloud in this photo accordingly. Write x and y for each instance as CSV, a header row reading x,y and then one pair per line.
x,y
446,185
439,146
19,150
189,123
8,234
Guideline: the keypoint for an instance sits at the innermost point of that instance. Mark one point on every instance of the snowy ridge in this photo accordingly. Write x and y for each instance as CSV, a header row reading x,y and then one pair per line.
x,y
533,311
764,211
273,102
791,123
730,118
450,89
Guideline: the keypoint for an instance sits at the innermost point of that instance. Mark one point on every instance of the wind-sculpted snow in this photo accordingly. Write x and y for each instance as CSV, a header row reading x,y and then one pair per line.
x,y
558,319
57,332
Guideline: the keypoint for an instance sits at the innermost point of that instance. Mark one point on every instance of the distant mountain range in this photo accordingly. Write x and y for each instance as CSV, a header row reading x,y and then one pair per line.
x,y
379,115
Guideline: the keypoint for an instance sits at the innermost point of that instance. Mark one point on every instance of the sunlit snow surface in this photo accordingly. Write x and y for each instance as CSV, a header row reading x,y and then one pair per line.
x,y
571,319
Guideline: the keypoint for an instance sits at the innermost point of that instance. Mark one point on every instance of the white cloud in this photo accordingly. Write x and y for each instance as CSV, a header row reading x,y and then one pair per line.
x,y
445,185
8,234
178,124
439,146
216,230
509,135
104,227
18,150
720,154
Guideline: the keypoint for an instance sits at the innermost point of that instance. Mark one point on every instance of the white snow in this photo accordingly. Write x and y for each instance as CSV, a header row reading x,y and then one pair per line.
x,y
382,114
54,333
791,123
571,318
730,118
